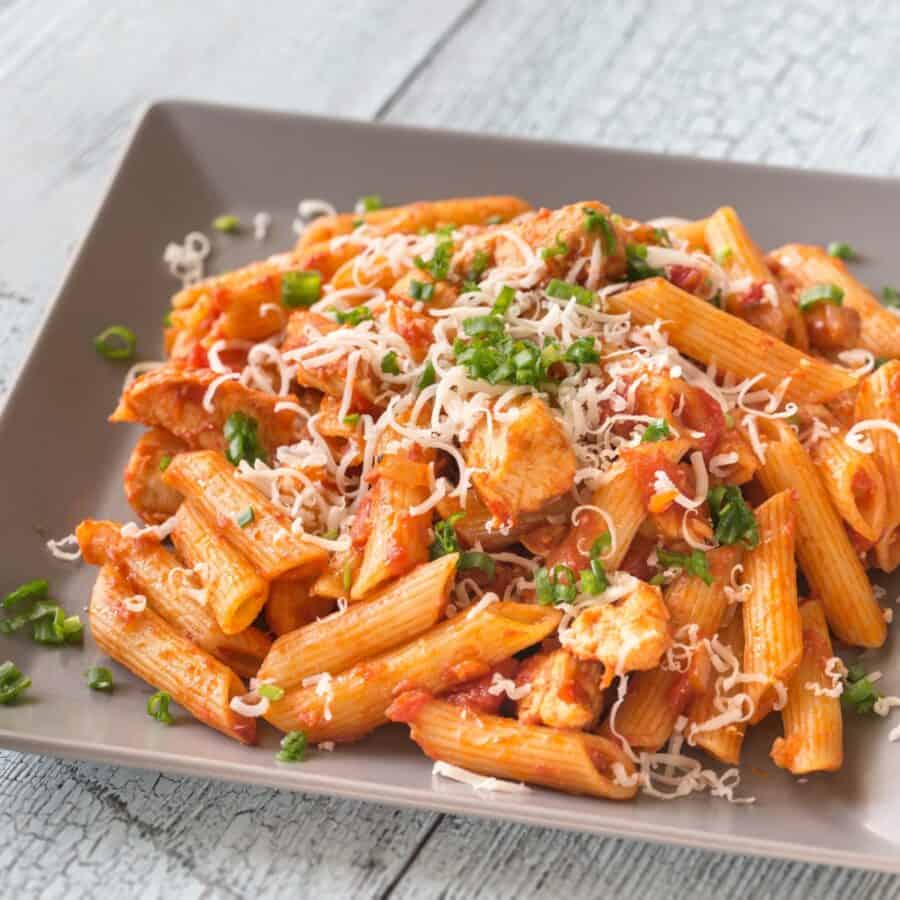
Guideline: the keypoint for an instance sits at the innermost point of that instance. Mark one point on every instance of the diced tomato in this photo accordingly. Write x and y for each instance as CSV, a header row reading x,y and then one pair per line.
x,y
475,695
685,277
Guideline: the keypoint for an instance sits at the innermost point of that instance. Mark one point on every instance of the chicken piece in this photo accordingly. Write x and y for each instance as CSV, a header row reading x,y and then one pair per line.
x,y
563,234
416,328
150,497
565,691
173,399
480,695
525,463
304,328
628,634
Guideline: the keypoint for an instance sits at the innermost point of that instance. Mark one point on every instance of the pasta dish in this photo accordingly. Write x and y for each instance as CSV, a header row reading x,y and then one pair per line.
x,y
576,499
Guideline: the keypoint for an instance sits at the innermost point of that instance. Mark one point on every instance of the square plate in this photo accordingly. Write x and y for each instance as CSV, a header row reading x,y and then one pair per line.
x,y
190,162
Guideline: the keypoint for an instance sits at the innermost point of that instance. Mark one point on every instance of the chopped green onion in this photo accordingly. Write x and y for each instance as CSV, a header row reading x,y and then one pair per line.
x,y
562,290
445,539
72,628
890,297
351,419
246,517
158,707
347,576
331,534
723,254
636,266
293,747
439,264
12,682
476,559
859,691
227,224
50,628
482,325
352,317
116,342
241,439
167,320
556,585
428,377
729,420
821,293
732,518
842,250
493,220
582,352
880,361
560,248
389,364
421,290
663,238
270,691
694,563
99,678
480,261
30,592
165,461
504,300
358,223
369,203
657,430
595,221
300,288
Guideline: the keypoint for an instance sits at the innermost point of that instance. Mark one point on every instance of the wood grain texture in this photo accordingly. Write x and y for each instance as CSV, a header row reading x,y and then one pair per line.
x,y
801,84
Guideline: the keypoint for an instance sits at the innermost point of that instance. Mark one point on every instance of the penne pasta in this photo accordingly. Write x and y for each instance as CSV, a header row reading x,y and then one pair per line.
x,y
723,741
150,648
711,335
235,591
347,706
773,634
291,605
824,551
396,615
879,401
221,498
855,485
177,594
768,306
492,746
813,727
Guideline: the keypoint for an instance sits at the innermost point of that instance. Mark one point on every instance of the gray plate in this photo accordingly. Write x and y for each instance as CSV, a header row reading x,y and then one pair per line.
x,y
188,163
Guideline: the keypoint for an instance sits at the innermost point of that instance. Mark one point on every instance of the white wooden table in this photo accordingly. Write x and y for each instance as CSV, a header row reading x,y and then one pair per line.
x,y
799,84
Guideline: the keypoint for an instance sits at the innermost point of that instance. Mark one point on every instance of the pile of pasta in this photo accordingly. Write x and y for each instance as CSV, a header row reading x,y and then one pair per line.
x,y
567,493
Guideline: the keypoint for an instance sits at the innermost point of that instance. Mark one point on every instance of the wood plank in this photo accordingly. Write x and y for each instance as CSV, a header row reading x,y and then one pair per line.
x,y
78,830
74,75
471,859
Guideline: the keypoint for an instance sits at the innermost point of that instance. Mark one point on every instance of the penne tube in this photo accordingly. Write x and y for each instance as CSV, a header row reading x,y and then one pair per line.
x,y
879,399
353,703
416,216
492,746
710,335
723,743
175,593
742,259
221,498
826,556
622,496
396,615
855,485
813,724
154,651
291,605
693,232
773,634
656,698
235,591
805,266
396,539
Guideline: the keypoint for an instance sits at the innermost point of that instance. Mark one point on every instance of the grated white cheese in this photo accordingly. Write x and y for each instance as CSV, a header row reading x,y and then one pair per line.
x,y
477,782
